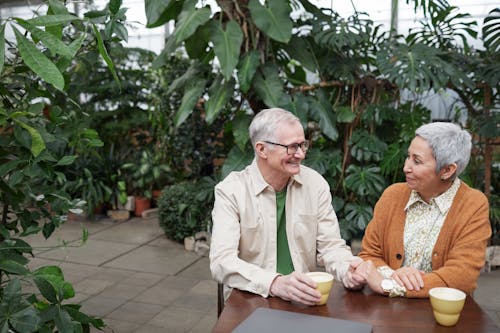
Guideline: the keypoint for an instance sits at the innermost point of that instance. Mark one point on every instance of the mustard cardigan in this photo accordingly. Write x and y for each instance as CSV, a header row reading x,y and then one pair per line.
x,y
459,252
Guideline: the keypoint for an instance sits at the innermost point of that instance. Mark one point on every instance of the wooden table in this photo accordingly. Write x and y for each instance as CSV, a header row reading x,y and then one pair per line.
x,y
398,315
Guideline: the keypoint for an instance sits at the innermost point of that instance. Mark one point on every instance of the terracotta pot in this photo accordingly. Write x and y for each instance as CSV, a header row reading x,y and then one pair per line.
x,y
141,204
156,194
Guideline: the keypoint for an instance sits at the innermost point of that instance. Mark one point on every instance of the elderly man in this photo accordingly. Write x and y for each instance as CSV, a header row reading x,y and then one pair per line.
x,y
274,221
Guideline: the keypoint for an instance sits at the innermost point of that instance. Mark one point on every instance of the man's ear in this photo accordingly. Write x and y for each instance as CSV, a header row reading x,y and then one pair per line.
x,y
260,148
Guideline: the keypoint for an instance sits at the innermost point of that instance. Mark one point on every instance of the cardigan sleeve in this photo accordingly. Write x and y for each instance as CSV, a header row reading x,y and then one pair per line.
x,y
459,263
383,235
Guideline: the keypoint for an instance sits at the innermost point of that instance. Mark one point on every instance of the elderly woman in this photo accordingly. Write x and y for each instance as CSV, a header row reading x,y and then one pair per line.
x,y
431,231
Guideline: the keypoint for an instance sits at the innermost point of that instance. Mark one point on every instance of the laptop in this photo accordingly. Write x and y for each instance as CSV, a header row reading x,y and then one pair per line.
x,y
264,320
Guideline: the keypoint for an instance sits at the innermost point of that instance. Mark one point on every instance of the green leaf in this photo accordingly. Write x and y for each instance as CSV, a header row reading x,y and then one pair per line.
x,y
2,47
159,12
237,160
52,42
241,122
46,288
57,7
345,114
325,117
269,86
227,45
114,6
189,100
37,143
190,19
52,20
247,69
13,267
38,62
219,94
274,20
300,49
25,320
63,321
104,54
66,160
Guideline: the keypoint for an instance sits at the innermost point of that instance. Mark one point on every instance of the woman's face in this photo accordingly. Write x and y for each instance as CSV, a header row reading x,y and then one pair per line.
x,y
420,169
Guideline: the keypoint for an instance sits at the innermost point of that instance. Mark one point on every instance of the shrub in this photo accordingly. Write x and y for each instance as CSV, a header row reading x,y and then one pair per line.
x,y
184,208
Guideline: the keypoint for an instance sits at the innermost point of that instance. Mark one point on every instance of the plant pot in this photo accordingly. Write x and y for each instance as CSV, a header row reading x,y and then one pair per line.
x,y
156,194
119,215
141,204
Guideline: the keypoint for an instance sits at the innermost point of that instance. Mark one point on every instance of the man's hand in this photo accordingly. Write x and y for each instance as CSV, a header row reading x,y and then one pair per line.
x,y
409,277
371,275
296,287
351,279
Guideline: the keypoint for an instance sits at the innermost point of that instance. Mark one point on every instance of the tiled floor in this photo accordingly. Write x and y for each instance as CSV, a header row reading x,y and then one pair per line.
x,y
138,281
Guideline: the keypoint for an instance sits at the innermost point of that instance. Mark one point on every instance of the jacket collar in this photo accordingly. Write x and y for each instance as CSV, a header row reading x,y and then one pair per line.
x,y
259,183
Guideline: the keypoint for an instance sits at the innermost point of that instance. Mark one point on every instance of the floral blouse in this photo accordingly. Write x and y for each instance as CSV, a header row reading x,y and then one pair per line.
x,y
422,226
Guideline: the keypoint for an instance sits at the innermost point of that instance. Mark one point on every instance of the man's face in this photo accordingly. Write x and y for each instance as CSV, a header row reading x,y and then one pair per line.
x,y
278,159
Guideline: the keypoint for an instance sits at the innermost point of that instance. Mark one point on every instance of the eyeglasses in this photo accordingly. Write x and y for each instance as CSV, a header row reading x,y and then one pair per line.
x,y
292,148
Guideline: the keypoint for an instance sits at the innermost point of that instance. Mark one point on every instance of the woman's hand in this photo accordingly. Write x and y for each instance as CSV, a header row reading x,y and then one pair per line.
x,y
409,277
296,287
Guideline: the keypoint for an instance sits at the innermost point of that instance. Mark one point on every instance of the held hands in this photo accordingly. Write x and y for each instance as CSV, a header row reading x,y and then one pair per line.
x,y
351,279
296,287
366,271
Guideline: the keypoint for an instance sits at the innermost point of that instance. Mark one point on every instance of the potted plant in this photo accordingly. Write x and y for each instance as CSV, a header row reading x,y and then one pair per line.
x,y
145,174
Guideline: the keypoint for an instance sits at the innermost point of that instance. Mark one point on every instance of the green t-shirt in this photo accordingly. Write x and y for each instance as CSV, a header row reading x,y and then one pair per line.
x,y
284,260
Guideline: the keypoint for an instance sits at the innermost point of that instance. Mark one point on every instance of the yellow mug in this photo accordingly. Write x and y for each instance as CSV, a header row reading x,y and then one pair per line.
x,y
324,283
447,303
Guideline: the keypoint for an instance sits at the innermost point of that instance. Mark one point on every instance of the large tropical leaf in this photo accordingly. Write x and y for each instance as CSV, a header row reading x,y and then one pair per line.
x,y
323,114
227,45
52,20
299,49
269,87
273,20
419,67
491,30
191,75
358,214
104,54
237,160
17,311
38,62
247,68
159,12
367,147
190,19
365,180
241,122
220,93
444,28
189,100
53,43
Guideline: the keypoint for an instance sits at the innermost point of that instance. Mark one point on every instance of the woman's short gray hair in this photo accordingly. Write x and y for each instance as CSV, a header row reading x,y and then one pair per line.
x,y
264,124
449,144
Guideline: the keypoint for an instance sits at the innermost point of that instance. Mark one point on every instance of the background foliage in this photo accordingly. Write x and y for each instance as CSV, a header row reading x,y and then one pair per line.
x,y
343,77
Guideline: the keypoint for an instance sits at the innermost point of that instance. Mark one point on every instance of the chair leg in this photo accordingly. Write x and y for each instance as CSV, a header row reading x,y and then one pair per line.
x,y
220,299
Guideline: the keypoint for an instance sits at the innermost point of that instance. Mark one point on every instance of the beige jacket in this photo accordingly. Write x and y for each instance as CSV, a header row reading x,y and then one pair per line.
x,y
243,245
458,254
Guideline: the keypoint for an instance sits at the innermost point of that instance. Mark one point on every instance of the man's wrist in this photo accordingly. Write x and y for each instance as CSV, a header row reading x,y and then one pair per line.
x,y
271,293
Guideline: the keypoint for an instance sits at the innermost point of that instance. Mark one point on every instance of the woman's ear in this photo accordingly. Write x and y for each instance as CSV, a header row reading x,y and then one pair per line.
x,y
448,171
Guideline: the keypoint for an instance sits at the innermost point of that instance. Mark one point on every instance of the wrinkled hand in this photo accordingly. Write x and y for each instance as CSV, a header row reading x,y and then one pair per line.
x,y
296,287
353,280
371,275
409,277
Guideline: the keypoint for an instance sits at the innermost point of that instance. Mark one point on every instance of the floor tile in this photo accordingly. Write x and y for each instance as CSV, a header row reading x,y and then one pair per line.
x,y
94,252
135,312
153,259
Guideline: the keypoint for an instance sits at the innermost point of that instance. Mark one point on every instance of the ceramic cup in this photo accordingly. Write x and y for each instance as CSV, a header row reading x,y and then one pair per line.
x,y
447,303
324,281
